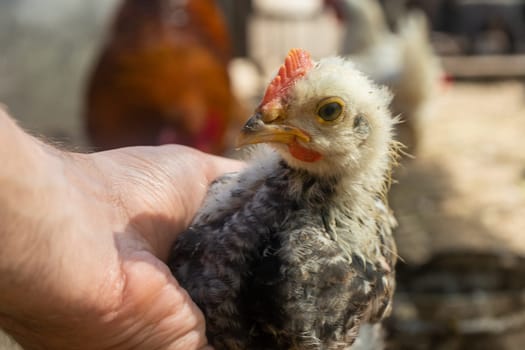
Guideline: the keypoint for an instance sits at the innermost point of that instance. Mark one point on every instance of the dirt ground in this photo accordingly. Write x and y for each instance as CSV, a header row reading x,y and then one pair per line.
x,y
460,205
466,187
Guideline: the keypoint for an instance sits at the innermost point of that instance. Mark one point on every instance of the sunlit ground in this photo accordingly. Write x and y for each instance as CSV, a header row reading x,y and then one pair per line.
x,y
466,186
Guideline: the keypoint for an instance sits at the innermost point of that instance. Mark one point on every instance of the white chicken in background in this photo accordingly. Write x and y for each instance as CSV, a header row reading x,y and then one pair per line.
x,y
404,61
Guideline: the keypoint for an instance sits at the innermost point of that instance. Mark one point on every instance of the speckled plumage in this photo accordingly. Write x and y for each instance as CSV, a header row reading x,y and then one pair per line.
x,y
283,257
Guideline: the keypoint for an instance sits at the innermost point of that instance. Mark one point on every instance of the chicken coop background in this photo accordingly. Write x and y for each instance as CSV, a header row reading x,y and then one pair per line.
x,y
456,68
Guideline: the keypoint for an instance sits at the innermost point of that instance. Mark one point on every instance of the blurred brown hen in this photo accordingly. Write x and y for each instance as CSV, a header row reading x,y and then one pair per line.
x,y
162,78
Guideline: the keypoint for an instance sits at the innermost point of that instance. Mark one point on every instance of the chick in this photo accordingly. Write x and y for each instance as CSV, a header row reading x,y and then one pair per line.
x,y
296,251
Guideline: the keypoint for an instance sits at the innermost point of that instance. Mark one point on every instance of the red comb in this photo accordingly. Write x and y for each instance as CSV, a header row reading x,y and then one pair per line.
x,y
295,66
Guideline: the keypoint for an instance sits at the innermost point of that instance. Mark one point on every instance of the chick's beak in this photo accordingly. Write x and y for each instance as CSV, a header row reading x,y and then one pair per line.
x,y
266,126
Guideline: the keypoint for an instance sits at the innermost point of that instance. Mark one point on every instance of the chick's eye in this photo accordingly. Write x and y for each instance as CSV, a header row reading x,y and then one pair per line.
x,y
330,110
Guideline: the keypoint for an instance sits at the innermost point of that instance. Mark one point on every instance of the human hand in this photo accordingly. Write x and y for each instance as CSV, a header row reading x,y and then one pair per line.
x,y
86,265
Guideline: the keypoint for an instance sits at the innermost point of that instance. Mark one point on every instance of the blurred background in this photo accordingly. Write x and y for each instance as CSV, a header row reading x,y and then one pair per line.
x,y
101,74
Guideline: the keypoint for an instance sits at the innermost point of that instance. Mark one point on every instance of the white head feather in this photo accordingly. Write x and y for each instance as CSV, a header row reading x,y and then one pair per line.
x,y
360,149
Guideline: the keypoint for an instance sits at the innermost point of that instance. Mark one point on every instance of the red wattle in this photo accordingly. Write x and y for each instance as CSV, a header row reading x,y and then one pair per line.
x,y
303,154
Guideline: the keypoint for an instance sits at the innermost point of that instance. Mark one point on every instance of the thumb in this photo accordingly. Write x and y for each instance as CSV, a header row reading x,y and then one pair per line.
x,y
159,189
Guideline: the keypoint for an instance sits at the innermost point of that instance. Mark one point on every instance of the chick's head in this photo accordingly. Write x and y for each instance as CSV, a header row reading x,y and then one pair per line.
x,y
324,117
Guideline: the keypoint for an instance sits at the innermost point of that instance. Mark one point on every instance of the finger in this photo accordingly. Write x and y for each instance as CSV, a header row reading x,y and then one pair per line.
x,y
167,315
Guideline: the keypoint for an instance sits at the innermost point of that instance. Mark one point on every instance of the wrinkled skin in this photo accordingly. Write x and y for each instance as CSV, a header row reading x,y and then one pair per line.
x,y
84,238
